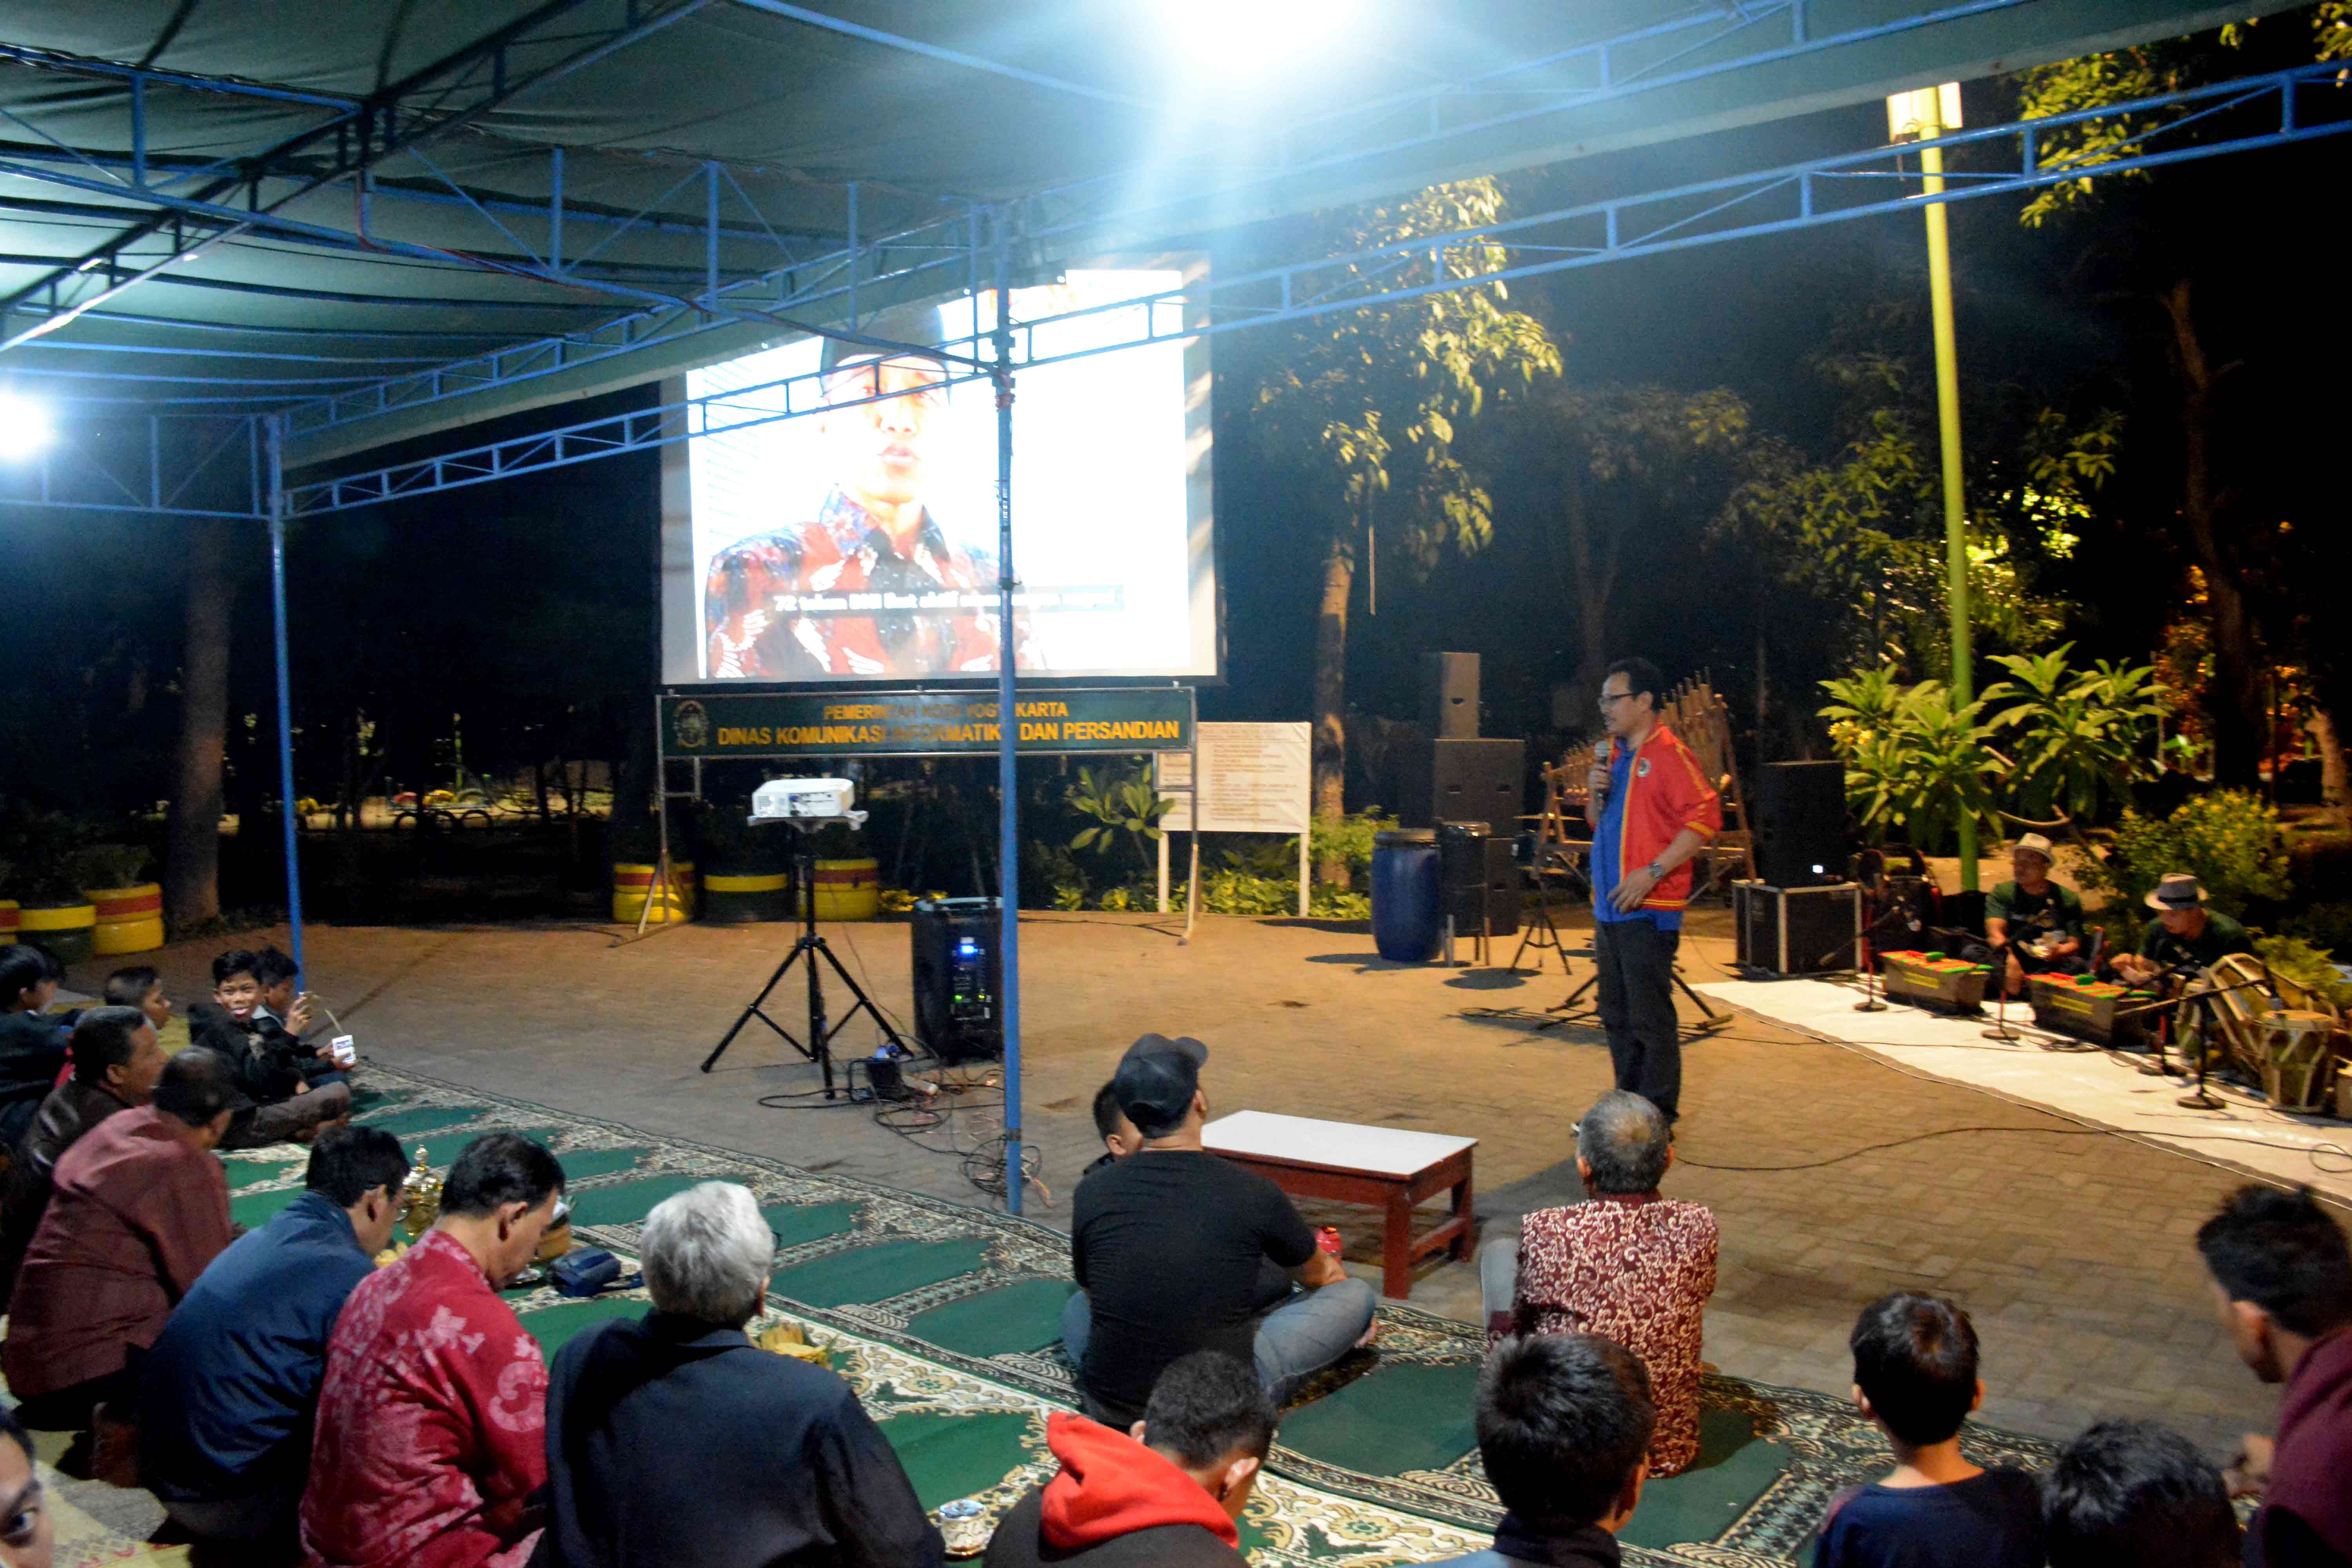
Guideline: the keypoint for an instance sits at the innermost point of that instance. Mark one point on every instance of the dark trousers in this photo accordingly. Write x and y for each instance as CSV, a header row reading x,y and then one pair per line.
x,y
1636,961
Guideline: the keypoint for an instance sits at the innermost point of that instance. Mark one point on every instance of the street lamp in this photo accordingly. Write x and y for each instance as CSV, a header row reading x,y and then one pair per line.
x,y
25,430
1922,115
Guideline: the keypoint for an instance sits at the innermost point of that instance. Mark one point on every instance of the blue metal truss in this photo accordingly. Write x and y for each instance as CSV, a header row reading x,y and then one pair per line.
x,y
176,465
1643,60
2273,109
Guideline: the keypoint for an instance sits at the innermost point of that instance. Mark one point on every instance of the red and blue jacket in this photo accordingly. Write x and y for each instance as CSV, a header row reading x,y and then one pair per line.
x,y
1664,792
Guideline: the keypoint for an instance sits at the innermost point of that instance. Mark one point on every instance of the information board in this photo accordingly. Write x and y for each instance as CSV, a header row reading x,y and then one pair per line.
x,y
1255,778
881,723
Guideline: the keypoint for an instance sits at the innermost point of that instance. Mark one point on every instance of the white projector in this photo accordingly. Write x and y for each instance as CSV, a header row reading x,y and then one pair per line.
x,y
802,800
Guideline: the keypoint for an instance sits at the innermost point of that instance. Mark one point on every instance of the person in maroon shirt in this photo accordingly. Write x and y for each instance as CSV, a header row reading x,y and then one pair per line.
x,y
140,1207
432,1429
2282,1278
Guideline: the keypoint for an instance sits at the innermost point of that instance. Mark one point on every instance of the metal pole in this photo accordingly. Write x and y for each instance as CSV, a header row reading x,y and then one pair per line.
x,y
1947,421
273,438
1008,821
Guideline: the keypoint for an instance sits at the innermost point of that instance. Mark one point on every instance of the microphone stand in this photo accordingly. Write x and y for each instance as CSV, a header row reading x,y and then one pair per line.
x,y
2001,1029
2200,1098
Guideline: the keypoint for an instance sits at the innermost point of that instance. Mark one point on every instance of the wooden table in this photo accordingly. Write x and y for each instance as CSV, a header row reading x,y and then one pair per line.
x,y
1386,1167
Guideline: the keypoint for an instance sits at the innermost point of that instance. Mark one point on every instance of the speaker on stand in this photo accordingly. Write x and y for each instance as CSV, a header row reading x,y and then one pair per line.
x,y
1800,823
1449,696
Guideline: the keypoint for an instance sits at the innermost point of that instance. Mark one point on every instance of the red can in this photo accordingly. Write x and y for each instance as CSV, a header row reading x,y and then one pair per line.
x,y
1328,1238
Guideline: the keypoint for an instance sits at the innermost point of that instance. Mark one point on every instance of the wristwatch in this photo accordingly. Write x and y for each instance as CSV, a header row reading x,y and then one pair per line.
x,y
1657,874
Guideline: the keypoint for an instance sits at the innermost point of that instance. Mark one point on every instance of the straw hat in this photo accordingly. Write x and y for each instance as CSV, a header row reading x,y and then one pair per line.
x,y
2034,844
2176,891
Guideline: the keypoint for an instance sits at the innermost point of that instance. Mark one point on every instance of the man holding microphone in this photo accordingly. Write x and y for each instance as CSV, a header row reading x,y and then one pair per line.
x,y
1651,809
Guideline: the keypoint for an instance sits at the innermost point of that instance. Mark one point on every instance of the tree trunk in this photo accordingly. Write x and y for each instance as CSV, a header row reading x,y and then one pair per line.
x,y
2334,778
191,832
2235,699
1331,693
1592,585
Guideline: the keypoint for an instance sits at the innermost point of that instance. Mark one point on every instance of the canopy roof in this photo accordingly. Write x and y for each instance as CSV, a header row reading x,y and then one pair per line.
x,y
423,181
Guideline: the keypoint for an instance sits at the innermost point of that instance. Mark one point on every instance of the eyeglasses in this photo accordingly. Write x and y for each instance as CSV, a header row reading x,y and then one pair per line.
x,y
1609,697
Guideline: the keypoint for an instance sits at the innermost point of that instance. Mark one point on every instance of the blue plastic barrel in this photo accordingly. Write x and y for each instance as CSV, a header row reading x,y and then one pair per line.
x,y
1404,895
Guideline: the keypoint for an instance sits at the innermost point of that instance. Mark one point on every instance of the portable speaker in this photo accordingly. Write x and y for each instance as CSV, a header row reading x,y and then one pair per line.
x,y
1449,695
958,978
1800,823
1460,781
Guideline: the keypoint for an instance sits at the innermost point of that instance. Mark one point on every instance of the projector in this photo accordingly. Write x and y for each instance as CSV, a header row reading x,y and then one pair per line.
x,y
806,800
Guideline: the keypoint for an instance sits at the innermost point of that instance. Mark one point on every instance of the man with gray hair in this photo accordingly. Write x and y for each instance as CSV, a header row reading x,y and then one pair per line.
x,y
1626,1265
674,1439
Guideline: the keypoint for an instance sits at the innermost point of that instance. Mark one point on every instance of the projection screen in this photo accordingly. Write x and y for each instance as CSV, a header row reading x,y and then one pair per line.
x,y
857,542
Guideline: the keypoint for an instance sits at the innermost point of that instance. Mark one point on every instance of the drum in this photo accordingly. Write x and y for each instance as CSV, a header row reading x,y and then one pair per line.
x,y
2299,1061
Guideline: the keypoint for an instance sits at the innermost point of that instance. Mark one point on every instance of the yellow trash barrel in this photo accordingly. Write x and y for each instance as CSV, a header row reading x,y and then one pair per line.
x,y
848,889
632,885
63,929
732,898
129,920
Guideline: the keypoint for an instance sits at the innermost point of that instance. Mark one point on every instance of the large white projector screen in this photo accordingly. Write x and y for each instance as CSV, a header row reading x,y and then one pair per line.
x,y
857,543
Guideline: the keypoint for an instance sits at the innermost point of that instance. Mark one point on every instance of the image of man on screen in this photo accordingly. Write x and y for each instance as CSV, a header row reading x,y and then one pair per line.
x,y
800,603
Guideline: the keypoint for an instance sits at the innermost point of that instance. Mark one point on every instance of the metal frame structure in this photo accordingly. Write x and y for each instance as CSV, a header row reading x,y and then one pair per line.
x,y
834,283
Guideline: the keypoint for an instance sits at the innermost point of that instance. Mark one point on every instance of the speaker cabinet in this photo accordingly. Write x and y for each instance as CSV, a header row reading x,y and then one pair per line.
x,y
959,977
1796,931
1462,781
1800,823
1449,695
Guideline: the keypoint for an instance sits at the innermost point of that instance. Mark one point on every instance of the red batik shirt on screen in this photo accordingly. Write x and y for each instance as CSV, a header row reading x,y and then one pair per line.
x,y
756,632
1637,1270
432,1423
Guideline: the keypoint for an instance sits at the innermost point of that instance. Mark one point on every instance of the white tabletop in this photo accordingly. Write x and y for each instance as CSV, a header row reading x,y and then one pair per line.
x,y
1341,1145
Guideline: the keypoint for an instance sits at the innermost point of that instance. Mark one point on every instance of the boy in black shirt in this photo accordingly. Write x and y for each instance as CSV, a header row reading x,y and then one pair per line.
x,y
1168,1242
32,1043
1915,1374
2132,1494
287,1090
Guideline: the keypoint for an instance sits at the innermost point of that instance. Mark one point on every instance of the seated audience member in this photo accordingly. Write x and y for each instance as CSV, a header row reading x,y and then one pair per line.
x,y
674,1439
1119,1138
432,1429
1626,1264
1168,1493
139,1206
1915,1374
1167,1245
2132,1494
227,1395
1564,1434
2284,1279
116,1062
2033,924
281,1077
27,1533
32,1044
141,987
2185,934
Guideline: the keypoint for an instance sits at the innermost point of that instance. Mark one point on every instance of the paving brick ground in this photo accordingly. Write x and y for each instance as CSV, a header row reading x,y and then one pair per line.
x,y
2072,1251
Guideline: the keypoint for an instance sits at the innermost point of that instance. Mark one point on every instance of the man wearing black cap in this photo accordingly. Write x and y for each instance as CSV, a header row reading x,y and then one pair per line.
x,y
1167,1245
778,605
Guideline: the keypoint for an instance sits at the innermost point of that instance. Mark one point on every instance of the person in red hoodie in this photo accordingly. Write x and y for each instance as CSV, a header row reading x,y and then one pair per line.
x,y
2282,1277
1170,1495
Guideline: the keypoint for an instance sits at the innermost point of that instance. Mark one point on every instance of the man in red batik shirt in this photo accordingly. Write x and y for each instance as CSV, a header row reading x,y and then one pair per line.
x,y
777,605
432,1427
1625,1264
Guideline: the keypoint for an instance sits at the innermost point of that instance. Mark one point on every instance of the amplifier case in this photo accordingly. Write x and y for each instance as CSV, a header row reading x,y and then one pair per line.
x,y
1797,930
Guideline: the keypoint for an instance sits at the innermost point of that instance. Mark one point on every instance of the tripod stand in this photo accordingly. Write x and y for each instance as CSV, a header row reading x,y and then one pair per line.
x,y
818,1047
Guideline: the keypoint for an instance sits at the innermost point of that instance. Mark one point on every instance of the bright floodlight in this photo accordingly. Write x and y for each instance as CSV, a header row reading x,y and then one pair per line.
x,y
24,427
1256,38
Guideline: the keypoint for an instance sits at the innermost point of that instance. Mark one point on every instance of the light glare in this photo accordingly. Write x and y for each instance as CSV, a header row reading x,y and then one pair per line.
x,y
25,430
1254,38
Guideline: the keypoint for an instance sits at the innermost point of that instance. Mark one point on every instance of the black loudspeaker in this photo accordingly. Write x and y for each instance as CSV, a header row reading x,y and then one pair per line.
x,y
1796,931
1449,695
1478,880
1502,888
1800,823
959,975
1462,781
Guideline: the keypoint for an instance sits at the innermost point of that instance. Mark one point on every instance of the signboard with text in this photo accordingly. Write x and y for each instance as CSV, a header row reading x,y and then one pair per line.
x,y
915,724
1255,778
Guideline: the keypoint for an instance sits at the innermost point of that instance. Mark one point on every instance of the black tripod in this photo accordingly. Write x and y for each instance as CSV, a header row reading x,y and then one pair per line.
x,y
818,1048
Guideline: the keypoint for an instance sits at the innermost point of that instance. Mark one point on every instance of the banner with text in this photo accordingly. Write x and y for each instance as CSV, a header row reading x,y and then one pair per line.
x,y
876,723
1255,778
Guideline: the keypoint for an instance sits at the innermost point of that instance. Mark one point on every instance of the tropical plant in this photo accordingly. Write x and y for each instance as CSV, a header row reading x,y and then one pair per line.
x,y
1126,811
106,865
2230,840
1916,763
1381,397
2307,964
2076,736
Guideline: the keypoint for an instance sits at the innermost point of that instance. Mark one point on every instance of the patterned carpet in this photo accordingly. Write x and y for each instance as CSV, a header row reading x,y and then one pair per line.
x,y
945,1318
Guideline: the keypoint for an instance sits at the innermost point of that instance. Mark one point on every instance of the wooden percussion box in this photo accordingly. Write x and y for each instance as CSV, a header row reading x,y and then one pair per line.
x,y
1934,980
2086,1008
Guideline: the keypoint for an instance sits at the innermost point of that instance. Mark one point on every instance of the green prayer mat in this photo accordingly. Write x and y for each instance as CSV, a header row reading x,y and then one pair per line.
x,y
947,1322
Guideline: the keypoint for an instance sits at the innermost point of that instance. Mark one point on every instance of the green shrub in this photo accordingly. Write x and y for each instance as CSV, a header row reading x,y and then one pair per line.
x,y
2327,925
2229,840
2308,965
106,865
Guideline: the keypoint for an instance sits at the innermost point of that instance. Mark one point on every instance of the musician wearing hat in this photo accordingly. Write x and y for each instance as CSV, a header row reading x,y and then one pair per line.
x,y
2184,935
2033,924
777,605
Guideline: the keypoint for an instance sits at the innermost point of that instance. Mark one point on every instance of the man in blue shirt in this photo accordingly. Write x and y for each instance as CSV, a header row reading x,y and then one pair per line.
x,y
227,1395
